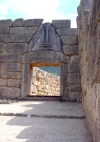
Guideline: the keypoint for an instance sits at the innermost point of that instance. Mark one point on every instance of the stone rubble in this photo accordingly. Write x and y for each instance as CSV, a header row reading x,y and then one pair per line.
x,y
44,83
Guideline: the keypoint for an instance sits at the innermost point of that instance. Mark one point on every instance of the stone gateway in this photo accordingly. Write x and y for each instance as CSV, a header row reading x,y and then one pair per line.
x,y
27,44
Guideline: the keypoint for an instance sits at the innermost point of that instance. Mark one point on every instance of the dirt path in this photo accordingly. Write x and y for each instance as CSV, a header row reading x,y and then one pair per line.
x,y
48,123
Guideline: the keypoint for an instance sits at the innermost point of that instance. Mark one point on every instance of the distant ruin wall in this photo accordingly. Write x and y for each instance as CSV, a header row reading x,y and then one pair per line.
x,y
44,83
89,49
24,43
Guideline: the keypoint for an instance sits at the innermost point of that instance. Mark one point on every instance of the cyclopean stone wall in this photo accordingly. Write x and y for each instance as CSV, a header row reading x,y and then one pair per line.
x,y
28,43
89,49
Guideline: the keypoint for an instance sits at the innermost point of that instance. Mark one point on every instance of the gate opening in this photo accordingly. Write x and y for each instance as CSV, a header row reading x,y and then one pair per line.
x,y
45,81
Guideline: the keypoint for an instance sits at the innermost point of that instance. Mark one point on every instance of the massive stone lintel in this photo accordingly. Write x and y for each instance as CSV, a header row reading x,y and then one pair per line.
x,y
46,39
45,57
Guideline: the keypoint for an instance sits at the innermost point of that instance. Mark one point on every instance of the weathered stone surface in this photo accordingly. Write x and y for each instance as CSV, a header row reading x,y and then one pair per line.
x,y
14,67
17,47
67,31
13,57
4,29
18,22
74,59
45,57
71,49
3,82
26,80
2,57
33,22
25,37
23,30
64,59
74,95
14,83
61,23
75,88
8,22
63,80
12,75
2,46
73,40
74,78
10,92
1,37
73,68
89,44
11,67
10,57
2,66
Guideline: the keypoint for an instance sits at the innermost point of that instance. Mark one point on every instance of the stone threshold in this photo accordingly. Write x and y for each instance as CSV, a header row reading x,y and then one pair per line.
x,y
42,98
42,116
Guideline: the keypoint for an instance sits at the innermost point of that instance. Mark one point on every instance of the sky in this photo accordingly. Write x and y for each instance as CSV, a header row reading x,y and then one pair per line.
x,y
43,9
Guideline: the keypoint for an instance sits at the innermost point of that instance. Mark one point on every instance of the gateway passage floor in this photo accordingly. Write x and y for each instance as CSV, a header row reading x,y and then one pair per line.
x,y
35,121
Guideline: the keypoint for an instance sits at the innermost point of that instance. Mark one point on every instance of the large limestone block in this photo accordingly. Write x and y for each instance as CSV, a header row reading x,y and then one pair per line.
x,y
74,59
2,66
4,30
97,54
74,78
18,22
17,47
14,67
10,57
86,25
14,83
26,80
74,95
33,22
1,37
63,80
13,57
2,57
23,30
12,75
73,40
71,49
45,57
61,23
2,46
22,37
74,88
67,31
74,68
10,67
3,82
8,22
10,92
